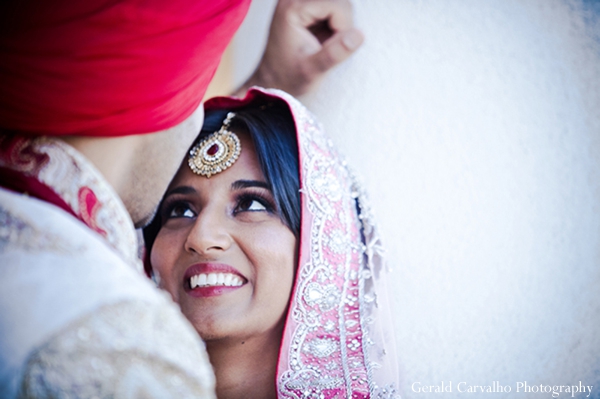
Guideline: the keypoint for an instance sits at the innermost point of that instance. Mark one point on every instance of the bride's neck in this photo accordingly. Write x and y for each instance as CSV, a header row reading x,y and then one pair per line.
x,y
246,368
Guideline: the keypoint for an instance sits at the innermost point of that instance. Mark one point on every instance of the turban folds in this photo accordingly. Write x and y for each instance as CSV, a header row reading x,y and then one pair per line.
x,y
109,67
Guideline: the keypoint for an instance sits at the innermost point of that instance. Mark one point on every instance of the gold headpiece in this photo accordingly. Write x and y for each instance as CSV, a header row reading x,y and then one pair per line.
x,y
216,152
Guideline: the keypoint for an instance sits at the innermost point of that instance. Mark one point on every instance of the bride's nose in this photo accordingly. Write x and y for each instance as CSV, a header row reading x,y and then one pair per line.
x,y
209,235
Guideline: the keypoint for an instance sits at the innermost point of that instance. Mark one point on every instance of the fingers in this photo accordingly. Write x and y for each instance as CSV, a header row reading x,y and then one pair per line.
x,y
336,49
341,16
307,38
337,12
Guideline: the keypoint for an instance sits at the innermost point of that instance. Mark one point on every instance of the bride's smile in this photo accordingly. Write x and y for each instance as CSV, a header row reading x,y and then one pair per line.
x,y
210,279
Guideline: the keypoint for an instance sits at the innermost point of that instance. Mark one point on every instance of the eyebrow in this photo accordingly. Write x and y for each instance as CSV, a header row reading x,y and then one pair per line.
x,y
181,190
240,184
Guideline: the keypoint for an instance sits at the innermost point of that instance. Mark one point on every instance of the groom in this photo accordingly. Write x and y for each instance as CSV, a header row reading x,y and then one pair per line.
x,y
99,100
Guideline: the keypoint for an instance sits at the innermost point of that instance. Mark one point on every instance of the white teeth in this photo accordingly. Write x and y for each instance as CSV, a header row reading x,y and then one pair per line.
x,y
215,279
236,281
212,279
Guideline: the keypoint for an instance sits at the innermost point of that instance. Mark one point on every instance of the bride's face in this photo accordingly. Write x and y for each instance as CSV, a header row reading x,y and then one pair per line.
x,y
223,253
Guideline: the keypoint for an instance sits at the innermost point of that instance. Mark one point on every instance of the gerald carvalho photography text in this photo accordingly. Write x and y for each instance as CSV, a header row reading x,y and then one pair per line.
x,y
578,389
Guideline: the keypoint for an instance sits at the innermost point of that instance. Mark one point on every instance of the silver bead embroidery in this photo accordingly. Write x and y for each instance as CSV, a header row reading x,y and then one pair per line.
x,y
321,347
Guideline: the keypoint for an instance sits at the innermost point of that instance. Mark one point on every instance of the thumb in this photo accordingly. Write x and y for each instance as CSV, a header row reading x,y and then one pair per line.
x,y
336,49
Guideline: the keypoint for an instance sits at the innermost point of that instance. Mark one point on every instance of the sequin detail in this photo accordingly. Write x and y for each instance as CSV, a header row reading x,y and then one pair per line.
x,y
16,232
121,351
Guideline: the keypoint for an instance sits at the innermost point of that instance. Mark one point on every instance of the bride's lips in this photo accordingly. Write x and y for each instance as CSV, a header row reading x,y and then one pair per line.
x,y
212,270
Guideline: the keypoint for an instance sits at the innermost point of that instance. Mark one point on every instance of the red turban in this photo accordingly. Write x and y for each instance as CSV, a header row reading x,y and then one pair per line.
x,y
108,67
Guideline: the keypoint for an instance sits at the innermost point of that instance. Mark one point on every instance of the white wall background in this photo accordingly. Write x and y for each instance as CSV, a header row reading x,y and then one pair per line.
x,y
476,128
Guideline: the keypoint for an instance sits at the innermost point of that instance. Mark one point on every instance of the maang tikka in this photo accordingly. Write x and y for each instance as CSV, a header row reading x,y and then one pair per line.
x,y
216,152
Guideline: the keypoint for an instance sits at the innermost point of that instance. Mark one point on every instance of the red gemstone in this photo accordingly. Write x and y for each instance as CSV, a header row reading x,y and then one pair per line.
x,y
213,149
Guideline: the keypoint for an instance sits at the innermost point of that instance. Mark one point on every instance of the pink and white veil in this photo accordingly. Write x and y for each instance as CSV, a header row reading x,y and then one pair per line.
x,y
338,340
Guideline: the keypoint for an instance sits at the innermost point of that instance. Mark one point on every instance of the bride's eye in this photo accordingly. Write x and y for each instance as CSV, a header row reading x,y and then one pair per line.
x,y
180,210
252,204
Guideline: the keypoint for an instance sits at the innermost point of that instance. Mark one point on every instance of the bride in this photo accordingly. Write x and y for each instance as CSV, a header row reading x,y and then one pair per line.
x,y
266,243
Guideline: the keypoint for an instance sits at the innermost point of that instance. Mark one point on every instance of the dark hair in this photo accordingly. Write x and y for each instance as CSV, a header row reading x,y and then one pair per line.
x,y
272,130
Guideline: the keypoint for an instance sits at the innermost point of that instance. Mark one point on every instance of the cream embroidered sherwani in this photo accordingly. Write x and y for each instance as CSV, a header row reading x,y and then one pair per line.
x,y
77,317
